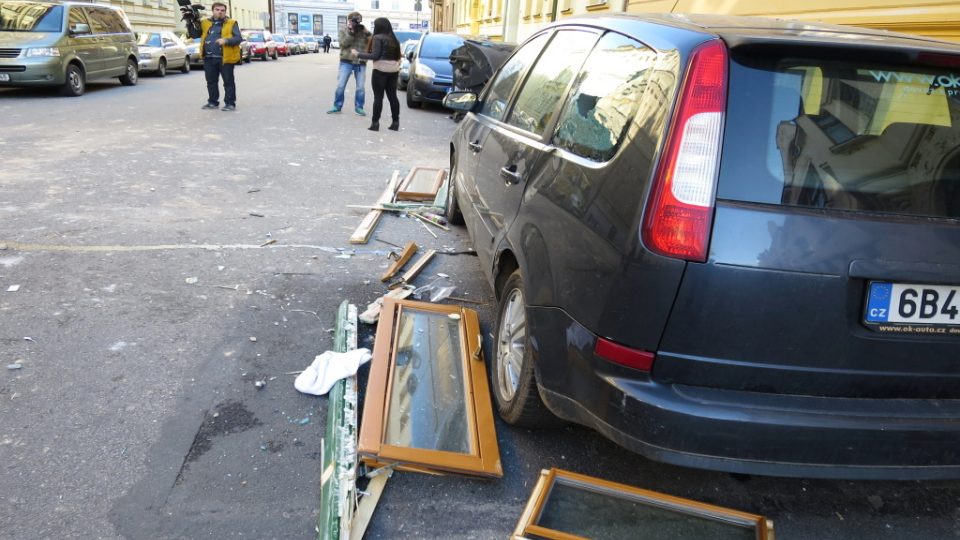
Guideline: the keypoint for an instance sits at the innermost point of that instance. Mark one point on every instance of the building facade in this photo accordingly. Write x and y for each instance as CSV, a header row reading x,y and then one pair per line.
x,y
515,20
404,14
157,15
310,17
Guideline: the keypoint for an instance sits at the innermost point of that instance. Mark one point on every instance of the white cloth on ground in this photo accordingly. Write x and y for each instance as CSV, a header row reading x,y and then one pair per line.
x,y
328,368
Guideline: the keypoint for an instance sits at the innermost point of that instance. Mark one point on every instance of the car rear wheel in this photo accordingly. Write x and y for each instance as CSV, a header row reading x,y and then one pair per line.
x,y
275,56
185,68
75,82
452,212
132,75
162,68
411,103
512,375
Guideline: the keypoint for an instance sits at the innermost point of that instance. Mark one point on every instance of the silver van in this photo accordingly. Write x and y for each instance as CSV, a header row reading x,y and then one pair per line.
x,y
65,44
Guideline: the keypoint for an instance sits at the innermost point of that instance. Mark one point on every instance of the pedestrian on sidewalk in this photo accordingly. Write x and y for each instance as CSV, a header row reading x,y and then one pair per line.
x,y
354,36
384,51
326,43
220,49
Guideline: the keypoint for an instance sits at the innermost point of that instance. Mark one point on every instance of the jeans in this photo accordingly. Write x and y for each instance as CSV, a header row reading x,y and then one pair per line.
x,y
385,82
359,72
214,68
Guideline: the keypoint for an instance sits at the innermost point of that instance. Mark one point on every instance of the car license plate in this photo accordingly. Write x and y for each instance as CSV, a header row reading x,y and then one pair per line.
x,y
4,76
913,308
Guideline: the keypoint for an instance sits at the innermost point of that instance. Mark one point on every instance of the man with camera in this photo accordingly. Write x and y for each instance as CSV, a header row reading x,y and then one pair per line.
x,y
220,49
354,36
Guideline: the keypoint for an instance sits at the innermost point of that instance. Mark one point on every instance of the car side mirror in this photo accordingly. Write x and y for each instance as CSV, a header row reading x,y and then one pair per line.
x,y
460,101
410,56
79,28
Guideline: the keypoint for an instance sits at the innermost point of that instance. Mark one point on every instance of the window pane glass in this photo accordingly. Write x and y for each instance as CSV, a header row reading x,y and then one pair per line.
x,y
548,80
847,135
497,99
604,98
428,402
576,510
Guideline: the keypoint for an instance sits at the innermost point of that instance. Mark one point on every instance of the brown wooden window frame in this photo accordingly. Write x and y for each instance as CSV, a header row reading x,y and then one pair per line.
x,y
404,193
548,478
484,456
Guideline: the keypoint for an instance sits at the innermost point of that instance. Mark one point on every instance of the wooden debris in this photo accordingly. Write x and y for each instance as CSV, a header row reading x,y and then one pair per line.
x,y
405,256
418,266
421,184
366,506
362,233
372,314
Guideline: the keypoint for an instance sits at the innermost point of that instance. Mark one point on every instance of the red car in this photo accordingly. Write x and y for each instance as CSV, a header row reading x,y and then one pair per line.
x,y
283,49
261,43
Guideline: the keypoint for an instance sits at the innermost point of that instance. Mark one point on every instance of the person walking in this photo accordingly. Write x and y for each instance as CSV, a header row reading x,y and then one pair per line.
x,y
385,54
354,36
326,43
220,39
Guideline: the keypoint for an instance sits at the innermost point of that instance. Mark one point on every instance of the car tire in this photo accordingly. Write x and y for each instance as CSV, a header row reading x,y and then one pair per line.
x,y
452,212
411,103
512,377
264,56
162,68
132,75
275,56
185,68
75,82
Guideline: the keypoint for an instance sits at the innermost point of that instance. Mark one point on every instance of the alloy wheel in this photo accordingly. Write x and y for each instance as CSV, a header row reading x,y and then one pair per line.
x,y
511,345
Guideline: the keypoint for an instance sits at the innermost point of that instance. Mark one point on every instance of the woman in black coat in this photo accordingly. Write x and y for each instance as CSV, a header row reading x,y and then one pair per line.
x,y
384,50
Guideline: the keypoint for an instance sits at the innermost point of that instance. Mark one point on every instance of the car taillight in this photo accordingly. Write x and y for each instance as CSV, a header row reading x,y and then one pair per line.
x,y
680,209
625,356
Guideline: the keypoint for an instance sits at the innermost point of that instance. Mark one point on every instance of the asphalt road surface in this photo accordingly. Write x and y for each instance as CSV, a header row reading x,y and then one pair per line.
x,y
168,258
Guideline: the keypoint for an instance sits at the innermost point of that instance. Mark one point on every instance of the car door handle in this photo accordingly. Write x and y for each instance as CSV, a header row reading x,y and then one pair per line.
x,y
476,146
510,174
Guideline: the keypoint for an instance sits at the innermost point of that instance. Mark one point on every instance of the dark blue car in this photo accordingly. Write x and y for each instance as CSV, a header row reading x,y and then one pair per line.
x,y
724,243
431,74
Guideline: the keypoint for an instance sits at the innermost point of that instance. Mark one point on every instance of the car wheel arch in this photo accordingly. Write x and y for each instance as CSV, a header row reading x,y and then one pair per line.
x,y
504,265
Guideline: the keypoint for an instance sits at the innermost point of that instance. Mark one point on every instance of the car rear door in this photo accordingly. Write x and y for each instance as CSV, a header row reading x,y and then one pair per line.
x,y
834,265
512,150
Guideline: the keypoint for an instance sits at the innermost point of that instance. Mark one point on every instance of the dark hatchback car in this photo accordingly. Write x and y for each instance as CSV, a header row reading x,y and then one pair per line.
x,y
431,75
725,243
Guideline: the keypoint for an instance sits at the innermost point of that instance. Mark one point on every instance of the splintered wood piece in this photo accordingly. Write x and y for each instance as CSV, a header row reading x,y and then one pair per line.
x,y
421,184
418,266
362,233
405,256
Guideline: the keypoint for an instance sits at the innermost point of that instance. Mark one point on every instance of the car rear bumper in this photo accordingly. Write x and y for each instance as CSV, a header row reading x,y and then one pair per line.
x,y
738,431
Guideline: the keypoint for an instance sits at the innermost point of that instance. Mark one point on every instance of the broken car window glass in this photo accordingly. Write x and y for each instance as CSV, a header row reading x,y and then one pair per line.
x,y
604,97
428,401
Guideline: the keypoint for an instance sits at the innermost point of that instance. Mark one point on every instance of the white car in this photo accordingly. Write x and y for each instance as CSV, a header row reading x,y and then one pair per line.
x,y
160,51
335,44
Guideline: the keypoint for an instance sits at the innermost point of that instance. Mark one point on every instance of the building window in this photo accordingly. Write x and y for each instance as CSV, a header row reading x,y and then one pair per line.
x,y
374,4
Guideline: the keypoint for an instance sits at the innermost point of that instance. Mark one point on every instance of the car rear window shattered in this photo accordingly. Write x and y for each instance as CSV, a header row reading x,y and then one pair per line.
x,y
841,135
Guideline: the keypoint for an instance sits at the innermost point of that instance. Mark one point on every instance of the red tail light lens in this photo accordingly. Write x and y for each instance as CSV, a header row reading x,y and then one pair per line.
x,y
625,356
680,209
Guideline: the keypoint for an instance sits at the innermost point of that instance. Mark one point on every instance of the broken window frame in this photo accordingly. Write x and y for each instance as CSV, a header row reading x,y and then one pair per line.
x,y
548,478
484,456
404,193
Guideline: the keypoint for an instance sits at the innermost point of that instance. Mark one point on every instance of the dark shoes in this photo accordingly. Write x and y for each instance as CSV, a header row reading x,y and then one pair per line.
x,y
375,126
229,107
394,126
210,106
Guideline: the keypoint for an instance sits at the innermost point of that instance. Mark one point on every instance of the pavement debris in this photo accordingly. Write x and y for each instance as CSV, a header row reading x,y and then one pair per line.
x,y
191,280
14,366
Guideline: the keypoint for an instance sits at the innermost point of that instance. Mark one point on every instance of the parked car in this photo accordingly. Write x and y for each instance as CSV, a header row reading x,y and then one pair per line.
x,y
335,44
431,75
283,48
404,77
193,52
261,43
160,51
407,35
311,43
301,44
724,243
65,44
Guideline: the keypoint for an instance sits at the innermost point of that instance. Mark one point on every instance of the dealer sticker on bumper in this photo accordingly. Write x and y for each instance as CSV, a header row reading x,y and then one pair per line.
x,y
4,76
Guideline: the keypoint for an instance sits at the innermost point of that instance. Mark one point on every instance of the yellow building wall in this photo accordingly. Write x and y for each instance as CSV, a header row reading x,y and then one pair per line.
x,y
933,18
